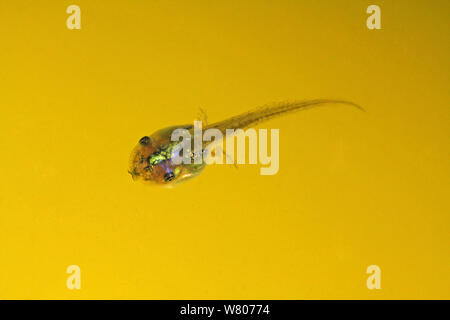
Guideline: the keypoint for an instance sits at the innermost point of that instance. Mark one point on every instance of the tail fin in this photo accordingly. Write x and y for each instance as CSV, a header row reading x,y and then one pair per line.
x,y
268,112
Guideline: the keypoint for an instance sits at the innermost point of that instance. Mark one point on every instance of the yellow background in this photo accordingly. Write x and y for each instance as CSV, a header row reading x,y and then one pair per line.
x,y
353,189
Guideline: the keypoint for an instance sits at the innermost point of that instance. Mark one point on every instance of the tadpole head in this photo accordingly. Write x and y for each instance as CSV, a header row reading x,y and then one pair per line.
x,y
138,167
147,163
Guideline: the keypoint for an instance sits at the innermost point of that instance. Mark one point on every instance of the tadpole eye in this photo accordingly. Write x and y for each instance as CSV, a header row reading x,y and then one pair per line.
x,y
169,176
144,140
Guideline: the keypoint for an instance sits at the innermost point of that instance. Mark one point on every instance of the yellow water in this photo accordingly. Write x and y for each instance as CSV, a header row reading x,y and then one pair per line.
x,y
354,189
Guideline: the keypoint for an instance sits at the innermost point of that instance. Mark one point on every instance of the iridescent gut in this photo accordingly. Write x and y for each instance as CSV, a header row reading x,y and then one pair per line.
x,y
151,159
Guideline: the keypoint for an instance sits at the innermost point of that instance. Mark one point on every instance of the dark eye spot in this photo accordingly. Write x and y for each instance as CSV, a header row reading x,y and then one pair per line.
x,y
169,176
144,140
148,168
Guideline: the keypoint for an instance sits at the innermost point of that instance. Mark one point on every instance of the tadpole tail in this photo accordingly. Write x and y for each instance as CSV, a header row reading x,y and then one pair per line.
x,y
268,112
